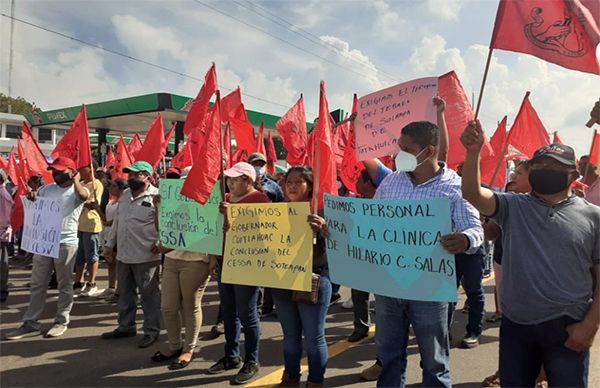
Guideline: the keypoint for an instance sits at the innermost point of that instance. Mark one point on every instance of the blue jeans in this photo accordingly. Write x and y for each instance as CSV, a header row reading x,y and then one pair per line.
x,y
525,348
87,252
238,306
308,319
469,269
430,324
142,278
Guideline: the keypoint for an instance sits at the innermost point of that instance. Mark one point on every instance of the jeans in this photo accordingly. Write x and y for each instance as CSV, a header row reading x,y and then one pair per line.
x,y
40,276
89,244
469,269
183,284
360,300
238,306
4,268
308,319
430,324
142,277
525,348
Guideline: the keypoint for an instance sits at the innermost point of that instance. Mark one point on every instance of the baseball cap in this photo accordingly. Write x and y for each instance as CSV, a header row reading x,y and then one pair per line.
x,y
62,163
257,156
239,169
559,152
139,166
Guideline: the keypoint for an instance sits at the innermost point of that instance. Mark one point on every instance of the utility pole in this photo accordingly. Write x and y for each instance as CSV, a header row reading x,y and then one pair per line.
x,y
10,54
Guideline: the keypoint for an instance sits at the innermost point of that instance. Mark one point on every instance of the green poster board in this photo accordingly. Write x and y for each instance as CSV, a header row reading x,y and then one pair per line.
x,y
186,225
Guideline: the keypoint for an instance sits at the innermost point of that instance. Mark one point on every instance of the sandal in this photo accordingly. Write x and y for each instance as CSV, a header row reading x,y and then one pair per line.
x,y
494,318
180,364
160,357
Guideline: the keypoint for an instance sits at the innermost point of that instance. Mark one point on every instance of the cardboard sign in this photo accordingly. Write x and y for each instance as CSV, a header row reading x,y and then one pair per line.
x,y
186,225
269,245
382,115
42,226
391,248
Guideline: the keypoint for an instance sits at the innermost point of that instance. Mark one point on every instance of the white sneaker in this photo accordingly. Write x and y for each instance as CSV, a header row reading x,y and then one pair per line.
x,y
106,293
56,330
90,290
348,304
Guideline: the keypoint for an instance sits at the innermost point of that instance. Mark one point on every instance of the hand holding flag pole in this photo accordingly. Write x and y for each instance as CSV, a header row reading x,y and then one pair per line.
x,y
594,115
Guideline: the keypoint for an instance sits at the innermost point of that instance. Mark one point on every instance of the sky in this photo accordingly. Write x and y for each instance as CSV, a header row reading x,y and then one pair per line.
x,y
275,50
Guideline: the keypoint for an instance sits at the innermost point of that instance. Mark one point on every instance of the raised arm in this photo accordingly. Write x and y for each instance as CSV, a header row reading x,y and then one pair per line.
x,y
481,198
441,122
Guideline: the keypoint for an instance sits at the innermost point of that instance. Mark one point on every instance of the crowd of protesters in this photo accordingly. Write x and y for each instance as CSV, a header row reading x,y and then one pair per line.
x,y
546,253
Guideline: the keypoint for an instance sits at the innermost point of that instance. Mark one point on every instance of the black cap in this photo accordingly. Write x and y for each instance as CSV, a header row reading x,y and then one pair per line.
x,y
559,152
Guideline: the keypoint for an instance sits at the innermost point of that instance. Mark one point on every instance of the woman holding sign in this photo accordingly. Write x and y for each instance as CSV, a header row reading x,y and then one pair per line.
x,y
305,315
238,302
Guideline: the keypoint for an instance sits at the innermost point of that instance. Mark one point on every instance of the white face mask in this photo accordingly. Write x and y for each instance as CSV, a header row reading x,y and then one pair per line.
x,y
407,162
260,171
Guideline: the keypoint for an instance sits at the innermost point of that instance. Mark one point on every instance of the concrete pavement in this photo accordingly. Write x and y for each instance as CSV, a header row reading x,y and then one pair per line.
x,y
82,358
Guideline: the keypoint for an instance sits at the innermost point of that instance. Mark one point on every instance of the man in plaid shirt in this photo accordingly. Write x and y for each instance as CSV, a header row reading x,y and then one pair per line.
x,y
419,176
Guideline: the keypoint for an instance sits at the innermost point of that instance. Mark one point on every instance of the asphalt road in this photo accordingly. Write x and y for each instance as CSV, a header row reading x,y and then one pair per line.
x,y
81,358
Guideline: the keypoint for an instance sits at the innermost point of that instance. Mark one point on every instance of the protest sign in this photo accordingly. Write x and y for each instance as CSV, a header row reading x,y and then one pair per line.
x,y
269,245
381,115
42,226
186,225
391,248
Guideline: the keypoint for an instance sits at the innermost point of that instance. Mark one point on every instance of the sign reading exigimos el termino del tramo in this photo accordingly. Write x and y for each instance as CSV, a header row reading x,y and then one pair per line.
x,y
269,245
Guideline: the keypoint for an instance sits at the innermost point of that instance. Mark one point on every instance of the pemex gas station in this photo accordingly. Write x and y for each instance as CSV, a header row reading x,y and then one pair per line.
x,y
108,120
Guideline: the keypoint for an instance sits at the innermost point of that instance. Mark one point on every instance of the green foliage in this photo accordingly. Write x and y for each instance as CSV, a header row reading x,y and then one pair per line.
x,y
20,106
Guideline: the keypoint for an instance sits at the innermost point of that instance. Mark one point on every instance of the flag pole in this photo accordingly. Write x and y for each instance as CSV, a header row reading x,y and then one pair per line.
x,y
587,165
485,74
500,160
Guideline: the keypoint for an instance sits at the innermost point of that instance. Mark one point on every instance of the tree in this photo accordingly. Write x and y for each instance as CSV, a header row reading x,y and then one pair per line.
x,y
20,106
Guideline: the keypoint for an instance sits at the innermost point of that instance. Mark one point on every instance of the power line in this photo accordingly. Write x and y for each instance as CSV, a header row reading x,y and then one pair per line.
x,y
277,37
129,57
309,36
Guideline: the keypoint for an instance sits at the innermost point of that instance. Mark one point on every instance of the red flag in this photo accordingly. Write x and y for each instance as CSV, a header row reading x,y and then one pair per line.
x,y
271,156
457,114
170,135
15,174
562,32
207,165
243,131
183,158
260,139
12,169
23,165
122,159
134,146
3,163
594,157
110,157
36,161
75,144
351,168
310,148
292,131
556,139
230,105
527,133
227,145
153,149
324,160
490,162
195,117
239,156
